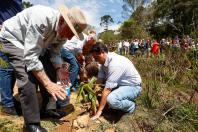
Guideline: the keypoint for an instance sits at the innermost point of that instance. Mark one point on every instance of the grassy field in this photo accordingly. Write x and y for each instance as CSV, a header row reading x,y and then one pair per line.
x,y
168,102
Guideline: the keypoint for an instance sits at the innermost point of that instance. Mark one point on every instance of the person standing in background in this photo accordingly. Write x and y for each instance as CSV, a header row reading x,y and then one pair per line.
x,y
8,9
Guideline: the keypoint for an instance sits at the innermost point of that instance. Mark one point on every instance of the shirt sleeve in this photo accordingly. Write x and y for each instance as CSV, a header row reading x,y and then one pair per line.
x,y
113,76
33,47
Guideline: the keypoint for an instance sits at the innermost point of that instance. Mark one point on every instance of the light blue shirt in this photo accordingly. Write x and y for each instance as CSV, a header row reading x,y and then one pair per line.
x,y
118,71
34,30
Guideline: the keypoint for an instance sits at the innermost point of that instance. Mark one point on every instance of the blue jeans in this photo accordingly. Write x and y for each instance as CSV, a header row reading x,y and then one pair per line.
x,y
7,81
123,97
74,68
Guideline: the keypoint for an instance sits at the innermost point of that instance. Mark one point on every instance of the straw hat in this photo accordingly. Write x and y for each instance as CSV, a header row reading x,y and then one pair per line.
x,y
75,19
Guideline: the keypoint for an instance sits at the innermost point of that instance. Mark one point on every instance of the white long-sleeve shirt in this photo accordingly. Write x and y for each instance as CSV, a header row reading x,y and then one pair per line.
x,y
75,45
34,30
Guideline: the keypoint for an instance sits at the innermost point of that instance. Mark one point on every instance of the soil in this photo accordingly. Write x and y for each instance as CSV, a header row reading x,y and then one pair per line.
x,y
78,118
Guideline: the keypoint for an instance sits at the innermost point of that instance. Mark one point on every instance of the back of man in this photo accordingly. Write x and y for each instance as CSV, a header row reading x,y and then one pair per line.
x,y
128,75
20,26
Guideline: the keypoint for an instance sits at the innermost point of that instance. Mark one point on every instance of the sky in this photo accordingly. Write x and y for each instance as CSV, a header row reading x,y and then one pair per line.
x,y
93,10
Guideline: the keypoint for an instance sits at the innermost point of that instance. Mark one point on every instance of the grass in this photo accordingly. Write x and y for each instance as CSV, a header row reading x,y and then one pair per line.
x,y
165,102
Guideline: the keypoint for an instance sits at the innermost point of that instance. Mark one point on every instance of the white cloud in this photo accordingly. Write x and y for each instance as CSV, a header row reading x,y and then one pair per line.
x,y
114,26
111,27
91,8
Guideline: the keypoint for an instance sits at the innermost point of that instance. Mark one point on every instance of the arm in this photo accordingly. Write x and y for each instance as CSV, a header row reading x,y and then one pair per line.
x,y
32,50
54,89
113,76
103,102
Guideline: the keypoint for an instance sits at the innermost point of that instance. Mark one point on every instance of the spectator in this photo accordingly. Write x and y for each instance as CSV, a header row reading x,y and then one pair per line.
x,y
8,9
155,48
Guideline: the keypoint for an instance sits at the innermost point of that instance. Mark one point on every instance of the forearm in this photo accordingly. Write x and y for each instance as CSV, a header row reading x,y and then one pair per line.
x,y
103,100
42,77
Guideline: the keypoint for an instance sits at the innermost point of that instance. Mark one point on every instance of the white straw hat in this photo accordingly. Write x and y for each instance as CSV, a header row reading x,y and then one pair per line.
x,y
75,19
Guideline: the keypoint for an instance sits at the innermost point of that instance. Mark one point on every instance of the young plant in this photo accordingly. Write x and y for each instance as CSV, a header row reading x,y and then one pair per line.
x,y
88,94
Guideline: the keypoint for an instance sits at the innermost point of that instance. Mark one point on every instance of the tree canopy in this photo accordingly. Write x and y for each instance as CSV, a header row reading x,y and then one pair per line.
x,y
163,18
105,21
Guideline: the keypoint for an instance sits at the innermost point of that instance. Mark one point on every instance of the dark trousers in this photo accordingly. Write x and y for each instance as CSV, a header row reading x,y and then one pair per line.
x,y
27,83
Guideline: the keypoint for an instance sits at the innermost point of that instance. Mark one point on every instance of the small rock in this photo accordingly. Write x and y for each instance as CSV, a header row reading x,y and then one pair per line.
x,y
83,120
75,125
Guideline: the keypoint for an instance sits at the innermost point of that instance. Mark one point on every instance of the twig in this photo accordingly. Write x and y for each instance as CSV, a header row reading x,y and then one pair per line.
x,y
164,114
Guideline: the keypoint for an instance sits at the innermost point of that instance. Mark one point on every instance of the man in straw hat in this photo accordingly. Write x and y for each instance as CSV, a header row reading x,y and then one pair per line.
x,y
32,41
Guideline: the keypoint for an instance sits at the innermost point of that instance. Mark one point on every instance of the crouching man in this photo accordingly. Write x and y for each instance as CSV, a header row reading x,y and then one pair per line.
x,y
122,80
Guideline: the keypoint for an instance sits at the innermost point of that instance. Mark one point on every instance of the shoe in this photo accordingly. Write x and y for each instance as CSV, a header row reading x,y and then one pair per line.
x,y
33,128
9,111
53,114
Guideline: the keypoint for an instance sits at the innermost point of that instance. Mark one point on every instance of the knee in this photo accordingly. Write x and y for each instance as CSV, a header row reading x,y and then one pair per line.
x,y
113,102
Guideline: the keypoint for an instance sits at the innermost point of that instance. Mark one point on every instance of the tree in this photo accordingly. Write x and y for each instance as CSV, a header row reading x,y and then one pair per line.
x,y
27,4
109,36
130,6
180,15
131,29
105,21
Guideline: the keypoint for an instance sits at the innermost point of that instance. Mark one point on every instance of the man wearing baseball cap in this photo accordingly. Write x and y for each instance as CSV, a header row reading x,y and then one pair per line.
x,y
32,41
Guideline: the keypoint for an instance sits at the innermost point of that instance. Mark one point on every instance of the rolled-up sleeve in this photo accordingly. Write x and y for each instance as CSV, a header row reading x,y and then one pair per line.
x,y
113,76
33,48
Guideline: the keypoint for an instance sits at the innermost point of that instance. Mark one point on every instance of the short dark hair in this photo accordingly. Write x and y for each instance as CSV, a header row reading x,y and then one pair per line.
x,y
98,48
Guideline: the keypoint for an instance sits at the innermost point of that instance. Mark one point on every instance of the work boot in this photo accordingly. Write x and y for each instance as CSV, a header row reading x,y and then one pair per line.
x,y
8,111
33,128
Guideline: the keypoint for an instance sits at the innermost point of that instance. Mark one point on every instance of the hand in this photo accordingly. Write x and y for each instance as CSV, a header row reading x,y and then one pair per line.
x,y
97,115
56,91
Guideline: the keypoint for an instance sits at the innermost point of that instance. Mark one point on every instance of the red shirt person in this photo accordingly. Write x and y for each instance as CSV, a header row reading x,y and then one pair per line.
x,y
155,48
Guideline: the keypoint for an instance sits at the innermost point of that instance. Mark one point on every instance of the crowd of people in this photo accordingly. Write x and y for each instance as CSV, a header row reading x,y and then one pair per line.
x,y
148,46
38,44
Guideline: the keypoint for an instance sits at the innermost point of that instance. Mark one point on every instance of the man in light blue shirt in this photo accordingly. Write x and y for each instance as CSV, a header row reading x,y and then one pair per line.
x,y
122,80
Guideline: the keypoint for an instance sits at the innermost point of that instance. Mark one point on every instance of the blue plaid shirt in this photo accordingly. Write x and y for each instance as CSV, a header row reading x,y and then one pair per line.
x,y
9,8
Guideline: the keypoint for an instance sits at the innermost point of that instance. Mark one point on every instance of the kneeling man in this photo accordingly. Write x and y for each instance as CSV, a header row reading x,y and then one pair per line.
x,y
122,80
